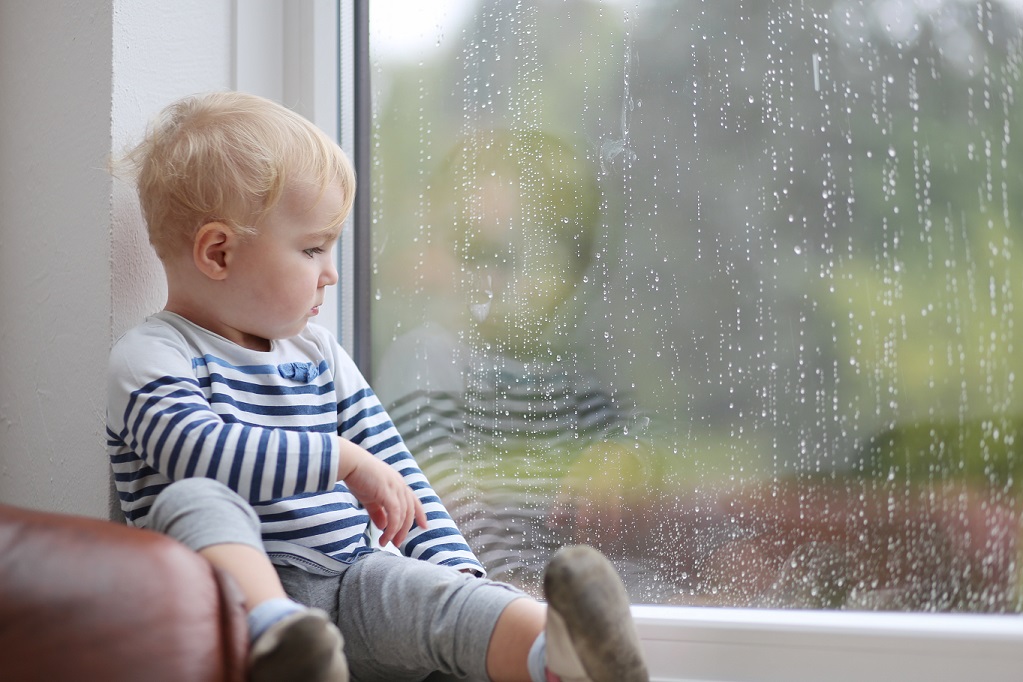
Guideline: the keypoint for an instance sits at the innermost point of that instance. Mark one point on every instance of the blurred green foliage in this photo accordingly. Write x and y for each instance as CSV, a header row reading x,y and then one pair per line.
x,y
807,264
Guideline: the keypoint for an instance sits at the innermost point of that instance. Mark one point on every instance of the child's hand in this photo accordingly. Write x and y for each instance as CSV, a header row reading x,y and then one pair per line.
x,y
391,504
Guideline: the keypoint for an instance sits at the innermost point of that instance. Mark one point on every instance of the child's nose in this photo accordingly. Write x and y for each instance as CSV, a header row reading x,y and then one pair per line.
x,y
329,275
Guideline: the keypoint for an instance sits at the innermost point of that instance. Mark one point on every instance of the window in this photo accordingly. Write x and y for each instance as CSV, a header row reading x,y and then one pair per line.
x,y
727,290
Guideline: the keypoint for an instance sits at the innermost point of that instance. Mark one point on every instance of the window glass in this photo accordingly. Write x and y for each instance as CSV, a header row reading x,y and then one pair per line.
x,y
725,289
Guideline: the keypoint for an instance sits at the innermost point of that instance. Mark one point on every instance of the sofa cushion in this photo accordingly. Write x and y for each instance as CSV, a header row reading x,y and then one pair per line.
x,y
86,599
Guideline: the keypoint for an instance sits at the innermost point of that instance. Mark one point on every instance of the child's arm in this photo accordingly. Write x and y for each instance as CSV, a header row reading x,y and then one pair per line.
x,y
363,421
389,501
161,428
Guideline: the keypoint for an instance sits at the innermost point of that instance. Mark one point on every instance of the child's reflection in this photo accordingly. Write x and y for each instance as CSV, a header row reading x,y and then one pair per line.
x,y
494,402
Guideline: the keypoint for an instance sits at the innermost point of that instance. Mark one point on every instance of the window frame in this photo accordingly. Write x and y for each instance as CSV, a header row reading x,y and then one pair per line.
x,y
313,55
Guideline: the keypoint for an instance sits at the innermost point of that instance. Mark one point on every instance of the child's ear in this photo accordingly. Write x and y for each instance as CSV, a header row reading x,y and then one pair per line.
x,y
211,249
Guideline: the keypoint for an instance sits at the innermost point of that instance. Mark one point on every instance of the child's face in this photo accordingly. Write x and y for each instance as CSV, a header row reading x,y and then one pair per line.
x,y
277,279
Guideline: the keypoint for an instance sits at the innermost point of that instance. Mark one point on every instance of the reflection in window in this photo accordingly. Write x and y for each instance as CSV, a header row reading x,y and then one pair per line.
x,y
727,290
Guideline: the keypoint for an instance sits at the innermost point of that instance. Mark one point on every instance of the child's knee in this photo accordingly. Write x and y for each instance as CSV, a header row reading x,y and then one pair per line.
x,y
188,499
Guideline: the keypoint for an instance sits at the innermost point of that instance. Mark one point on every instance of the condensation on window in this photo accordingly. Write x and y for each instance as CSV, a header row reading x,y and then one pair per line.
x,y
725,289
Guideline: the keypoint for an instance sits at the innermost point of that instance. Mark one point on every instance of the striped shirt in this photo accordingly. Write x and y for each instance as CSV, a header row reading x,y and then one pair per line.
x,y
185,402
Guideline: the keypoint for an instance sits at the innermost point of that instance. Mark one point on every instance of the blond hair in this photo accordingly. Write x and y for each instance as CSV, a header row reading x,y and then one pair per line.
x,y
229,157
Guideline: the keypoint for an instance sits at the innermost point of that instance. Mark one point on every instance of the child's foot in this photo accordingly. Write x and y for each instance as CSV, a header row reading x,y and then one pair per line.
x,y
590,633
303,646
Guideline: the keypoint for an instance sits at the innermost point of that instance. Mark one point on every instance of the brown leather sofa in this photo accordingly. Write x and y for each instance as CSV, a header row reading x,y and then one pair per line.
x,y
84,599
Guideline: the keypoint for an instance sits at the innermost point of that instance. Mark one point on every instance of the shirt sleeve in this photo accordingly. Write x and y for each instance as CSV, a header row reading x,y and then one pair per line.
x,y
363,420
164,428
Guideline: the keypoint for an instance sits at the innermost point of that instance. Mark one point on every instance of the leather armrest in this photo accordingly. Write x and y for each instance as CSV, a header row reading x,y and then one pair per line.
x,y
86,599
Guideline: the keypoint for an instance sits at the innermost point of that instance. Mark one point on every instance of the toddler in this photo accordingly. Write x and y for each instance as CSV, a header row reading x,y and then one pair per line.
x,y
248,434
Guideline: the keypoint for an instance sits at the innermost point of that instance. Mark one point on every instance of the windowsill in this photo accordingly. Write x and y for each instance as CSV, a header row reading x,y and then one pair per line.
x,y
686,644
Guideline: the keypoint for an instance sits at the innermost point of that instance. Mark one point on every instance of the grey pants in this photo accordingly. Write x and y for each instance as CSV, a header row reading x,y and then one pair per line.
x,y
402,619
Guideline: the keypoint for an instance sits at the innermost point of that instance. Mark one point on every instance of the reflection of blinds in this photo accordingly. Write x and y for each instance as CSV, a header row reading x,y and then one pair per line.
x,y
496,454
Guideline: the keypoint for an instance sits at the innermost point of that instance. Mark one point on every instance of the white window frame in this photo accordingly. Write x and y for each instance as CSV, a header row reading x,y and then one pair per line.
x,y
294,51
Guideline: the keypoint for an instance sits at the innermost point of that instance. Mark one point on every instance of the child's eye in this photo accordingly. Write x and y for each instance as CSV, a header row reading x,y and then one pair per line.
x,y
315,251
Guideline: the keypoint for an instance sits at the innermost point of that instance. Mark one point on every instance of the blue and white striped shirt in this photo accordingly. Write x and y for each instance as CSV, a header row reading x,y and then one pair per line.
x,y
185,402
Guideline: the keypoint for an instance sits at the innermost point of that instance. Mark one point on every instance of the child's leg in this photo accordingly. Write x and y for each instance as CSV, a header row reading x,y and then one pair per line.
x,y
590,636
250,568
217,523
403,619
588,633
214,521
517,630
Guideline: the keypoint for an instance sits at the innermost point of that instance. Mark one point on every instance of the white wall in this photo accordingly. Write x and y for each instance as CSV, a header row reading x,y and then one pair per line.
x,y
78,81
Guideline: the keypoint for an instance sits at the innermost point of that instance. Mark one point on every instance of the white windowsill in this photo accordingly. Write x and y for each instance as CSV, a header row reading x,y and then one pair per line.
x,y
751,645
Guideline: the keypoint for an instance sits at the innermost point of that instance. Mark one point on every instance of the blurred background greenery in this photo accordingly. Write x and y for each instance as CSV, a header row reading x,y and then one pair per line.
x,y
786,243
